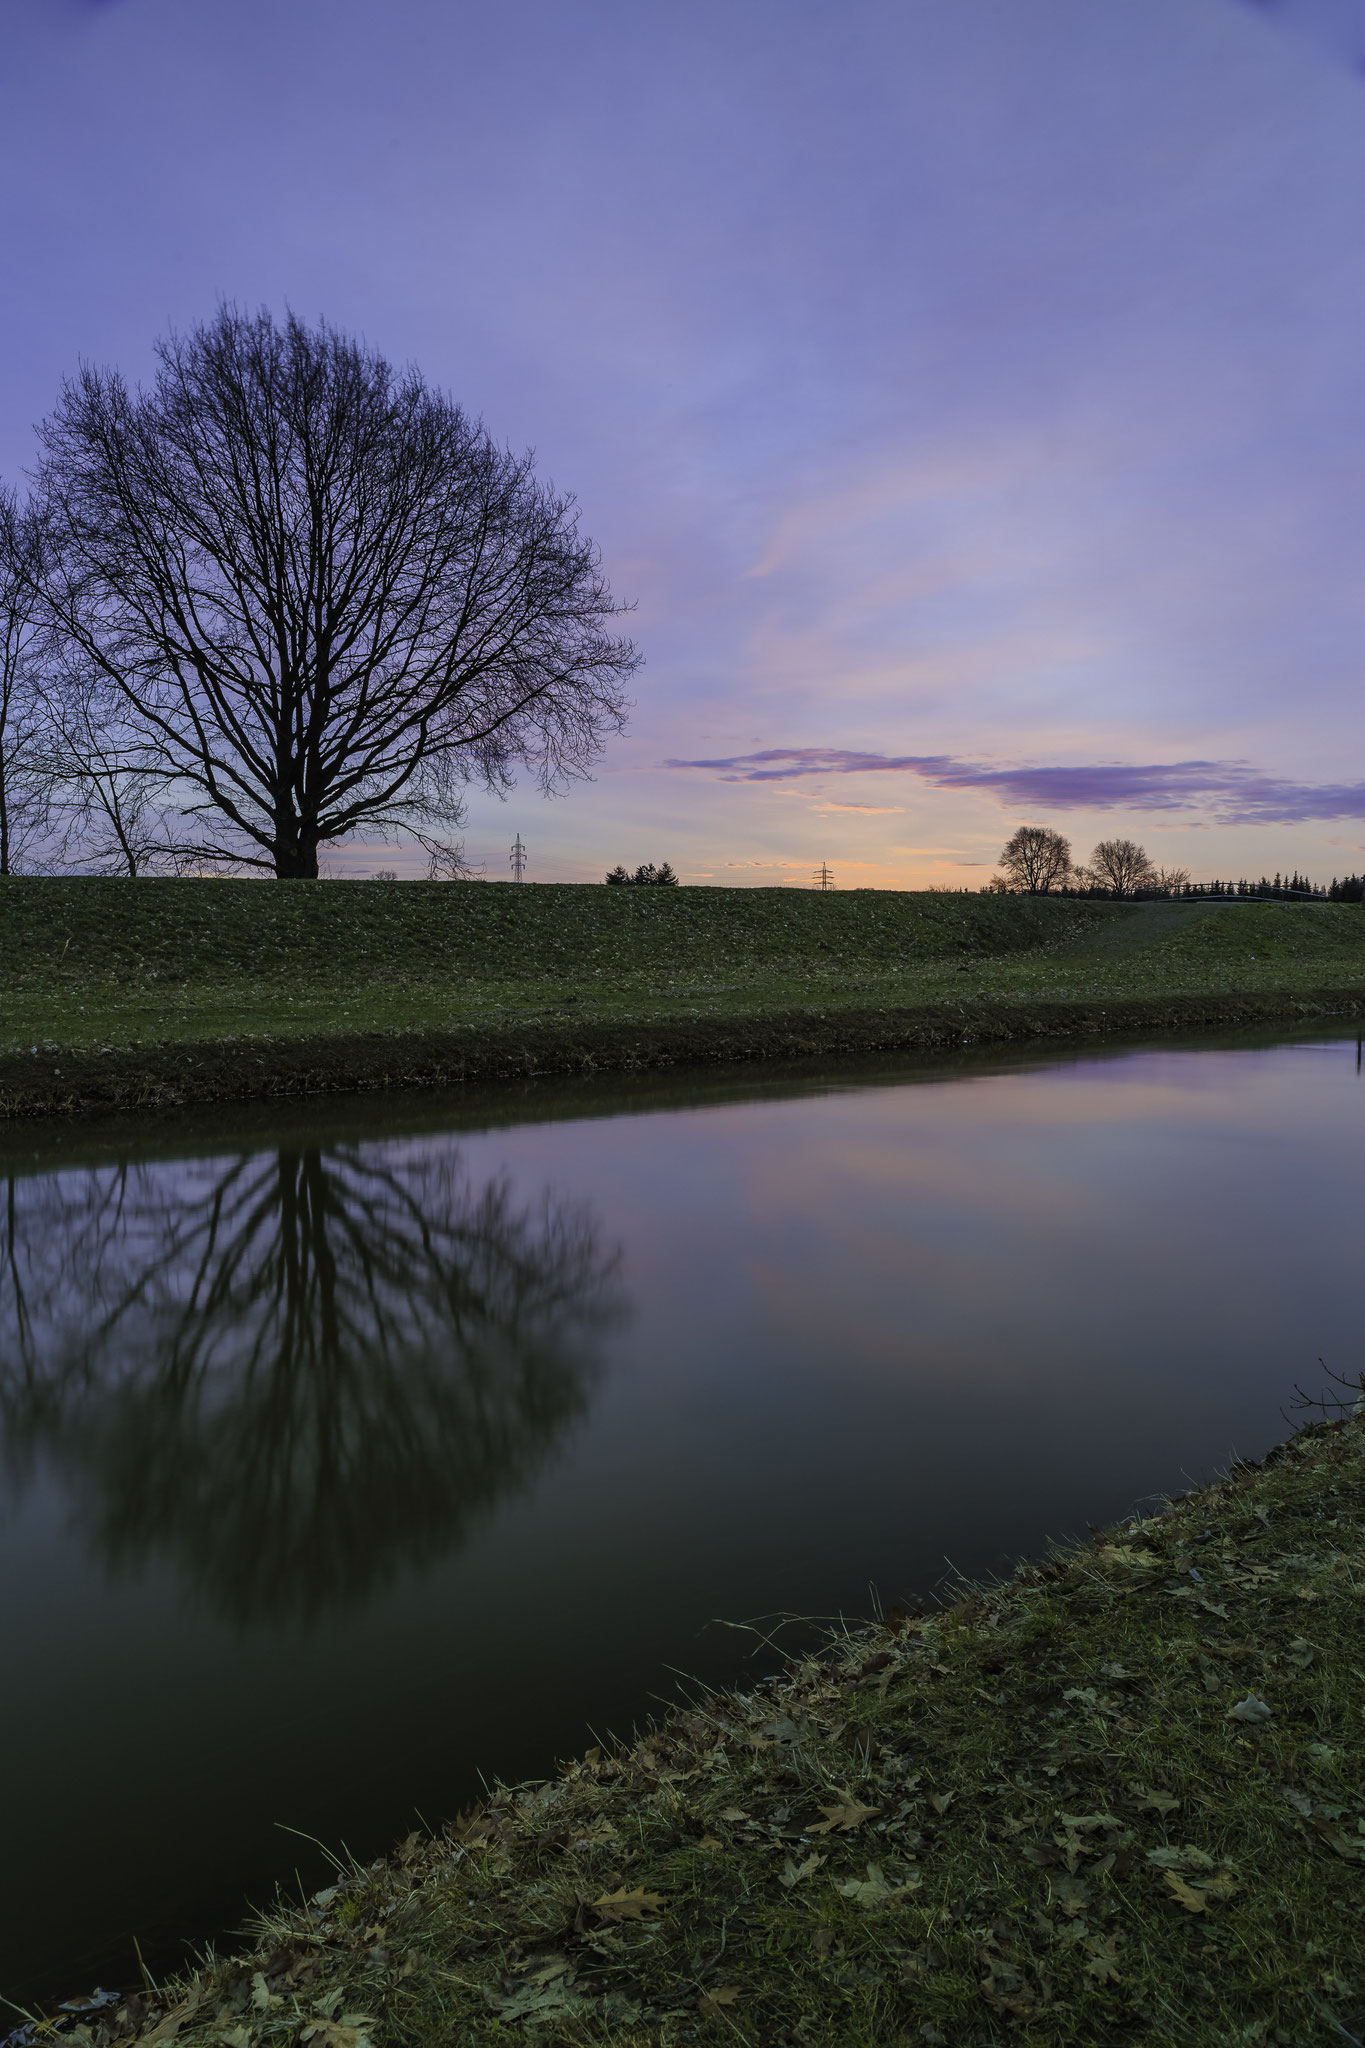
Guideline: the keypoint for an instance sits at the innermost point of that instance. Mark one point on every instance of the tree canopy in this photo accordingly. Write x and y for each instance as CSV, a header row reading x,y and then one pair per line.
x,y
1036,859
324,599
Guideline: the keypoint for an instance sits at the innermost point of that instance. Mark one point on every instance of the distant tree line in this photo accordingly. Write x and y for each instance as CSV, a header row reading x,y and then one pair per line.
x,y
1037,862
645,877
284,596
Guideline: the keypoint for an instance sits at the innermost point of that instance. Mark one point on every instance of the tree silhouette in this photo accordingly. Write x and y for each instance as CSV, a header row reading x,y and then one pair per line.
x,y
295,1372
323,595
1036,859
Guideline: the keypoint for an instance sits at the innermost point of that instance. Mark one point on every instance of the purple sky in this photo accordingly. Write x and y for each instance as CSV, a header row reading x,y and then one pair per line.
x,y
972,397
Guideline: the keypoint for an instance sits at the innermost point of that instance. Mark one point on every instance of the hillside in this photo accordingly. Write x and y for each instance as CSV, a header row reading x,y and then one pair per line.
x,y
131,994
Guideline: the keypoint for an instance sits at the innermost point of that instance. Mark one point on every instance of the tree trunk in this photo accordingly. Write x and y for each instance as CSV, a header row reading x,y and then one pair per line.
x,y
296,850
296,863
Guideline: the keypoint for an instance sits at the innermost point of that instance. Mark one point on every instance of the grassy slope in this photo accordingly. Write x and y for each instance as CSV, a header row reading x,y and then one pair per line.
x,y
1119,1799
159,989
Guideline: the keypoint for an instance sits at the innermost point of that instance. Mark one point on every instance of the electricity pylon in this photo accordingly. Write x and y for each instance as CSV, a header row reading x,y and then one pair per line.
x,y
824,876
517,858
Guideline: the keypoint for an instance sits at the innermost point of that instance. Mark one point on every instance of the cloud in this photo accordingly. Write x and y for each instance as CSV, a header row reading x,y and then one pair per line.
x,y
822,810
1232,792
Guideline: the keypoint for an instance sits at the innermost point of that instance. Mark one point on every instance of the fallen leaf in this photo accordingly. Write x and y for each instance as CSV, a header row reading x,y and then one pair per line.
x,y
1103,1963
1122,1553
1181,1856
624,1905
1350,1847
733,1813
1250,1709
1193,1901
850,1813
874,1890
260,1992
822,1941
1159,1802
941,1801
537,2001
1087,1823
1300,1801
1072,1895
724,1994
710,1842
796,1873
167,2028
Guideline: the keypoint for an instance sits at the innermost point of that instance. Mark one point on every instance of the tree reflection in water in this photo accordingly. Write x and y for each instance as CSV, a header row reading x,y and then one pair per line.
x,y
293,1372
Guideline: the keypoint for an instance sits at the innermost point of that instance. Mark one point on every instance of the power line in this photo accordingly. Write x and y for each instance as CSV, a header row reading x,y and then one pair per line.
x,y
517,858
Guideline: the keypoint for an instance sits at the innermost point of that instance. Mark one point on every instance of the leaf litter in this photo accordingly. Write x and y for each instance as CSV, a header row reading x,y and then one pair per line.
x,y
1146,1825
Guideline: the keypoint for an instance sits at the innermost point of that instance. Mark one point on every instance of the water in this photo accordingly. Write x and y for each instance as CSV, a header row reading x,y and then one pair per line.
x,y
348,1451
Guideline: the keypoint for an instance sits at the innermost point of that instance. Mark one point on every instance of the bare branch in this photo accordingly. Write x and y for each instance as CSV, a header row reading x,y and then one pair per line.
x,y
324,596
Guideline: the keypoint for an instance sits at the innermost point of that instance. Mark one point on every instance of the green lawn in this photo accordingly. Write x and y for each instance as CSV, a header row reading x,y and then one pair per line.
x,y
95,967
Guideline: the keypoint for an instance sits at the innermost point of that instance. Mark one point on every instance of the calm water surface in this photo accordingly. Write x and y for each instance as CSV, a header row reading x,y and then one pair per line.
x,y
347,1452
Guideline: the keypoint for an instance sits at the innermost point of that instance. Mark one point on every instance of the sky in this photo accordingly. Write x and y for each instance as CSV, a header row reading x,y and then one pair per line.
x,y
970,399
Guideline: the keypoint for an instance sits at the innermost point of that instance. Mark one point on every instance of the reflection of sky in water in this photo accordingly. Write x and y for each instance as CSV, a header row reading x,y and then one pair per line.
x,y
869,1328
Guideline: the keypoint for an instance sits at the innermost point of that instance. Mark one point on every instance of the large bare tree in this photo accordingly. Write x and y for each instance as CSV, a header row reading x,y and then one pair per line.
x,y
327,597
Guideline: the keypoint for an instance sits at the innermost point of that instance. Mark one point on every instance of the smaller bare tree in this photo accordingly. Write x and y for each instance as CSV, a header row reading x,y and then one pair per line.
x,y
109,812
1035,860
26,766
1119,865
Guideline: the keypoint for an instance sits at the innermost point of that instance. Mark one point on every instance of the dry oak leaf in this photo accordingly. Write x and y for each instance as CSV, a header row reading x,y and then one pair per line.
x,y
724,1994
167,2028
875,1891
1181,1856
1103,1964
1195,1898
850,1813
794,1873
1072,1894
624,1905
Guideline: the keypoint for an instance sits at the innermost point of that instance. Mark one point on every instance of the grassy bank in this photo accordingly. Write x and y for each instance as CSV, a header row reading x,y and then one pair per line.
x,y
1118,1799
131,994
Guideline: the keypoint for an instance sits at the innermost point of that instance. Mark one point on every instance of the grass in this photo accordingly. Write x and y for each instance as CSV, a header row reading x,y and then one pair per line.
x,y
1117,1799
126,994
